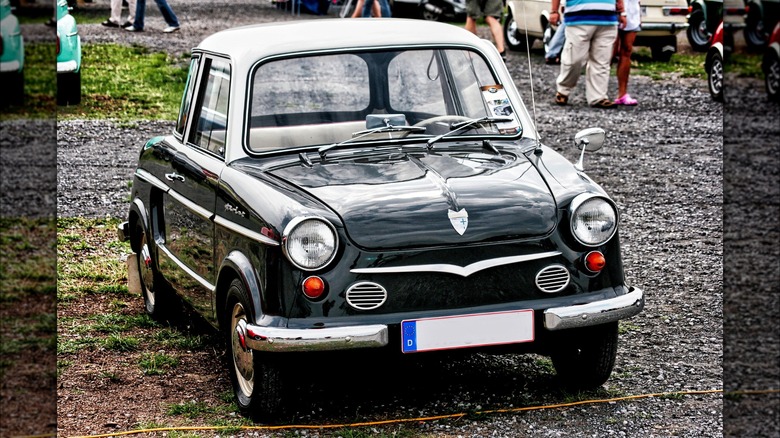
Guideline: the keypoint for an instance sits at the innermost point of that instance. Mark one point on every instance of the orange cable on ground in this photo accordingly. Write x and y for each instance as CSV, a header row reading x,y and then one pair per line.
x,y
424,419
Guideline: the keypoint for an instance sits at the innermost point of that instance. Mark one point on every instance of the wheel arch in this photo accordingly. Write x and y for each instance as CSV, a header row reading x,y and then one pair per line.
x,y
236,265
137,213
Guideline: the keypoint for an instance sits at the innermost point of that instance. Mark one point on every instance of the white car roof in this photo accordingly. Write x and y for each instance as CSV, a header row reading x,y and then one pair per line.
x,y
247,43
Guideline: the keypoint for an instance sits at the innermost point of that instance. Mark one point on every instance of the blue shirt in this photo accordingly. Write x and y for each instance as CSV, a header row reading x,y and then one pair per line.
x,y
590,12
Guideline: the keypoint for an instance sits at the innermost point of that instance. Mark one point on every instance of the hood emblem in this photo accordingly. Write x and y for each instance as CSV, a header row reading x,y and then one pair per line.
x,y
459,220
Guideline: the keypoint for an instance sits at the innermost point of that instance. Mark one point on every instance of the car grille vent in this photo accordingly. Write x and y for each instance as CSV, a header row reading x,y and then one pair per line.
x,y
366,296
552,279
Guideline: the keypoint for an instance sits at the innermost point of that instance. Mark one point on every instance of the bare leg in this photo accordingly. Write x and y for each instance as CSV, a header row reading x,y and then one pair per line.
x,y
624,64
471,25
497,31
375,10
358,9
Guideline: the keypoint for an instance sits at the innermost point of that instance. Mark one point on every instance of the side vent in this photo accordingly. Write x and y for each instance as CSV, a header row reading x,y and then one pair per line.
x,y
552,279
366,295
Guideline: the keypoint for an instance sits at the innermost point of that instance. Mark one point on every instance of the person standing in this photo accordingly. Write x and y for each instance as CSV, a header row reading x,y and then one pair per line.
x,y
115,20
591,30
624,46
375,10
384,8
491,10
165,9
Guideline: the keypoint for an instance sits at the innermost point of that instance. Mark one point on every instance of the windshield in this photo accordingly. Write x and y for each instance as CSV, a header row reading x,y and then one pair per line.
x,y
326,98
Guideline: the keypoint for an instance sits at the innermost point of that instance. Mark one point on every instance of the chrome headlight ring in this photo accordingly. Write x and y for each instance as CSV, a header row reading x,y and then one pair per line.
x,y
593,219
310,242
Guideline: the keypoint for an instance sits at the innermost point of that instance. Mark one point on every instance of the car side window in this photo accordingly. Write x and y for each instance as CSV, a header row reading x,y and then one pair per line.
x,y
211,124
186,99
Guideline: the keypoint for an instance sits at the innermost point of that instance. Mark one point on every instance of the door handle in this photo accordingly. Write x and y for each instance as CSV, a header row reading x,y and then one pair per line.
x,y
174,177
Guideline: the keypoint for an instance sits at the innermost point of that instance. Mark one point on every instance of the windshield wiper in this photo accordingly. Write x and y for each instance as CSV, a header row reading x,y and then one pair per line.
x,y
457,127
362,134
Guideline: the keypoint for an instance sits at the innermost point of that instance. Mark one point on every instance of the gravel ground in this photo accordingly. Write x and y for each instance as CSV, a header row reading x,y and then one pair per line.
x,y
662,164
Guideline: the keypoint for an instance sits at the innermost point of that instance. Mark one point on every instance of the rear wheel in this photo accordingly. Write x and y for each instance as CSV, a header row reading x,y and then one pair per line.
x,y
698,36
156,299
772,77
69,88
755,37
585,357
715,77
513,38
256,377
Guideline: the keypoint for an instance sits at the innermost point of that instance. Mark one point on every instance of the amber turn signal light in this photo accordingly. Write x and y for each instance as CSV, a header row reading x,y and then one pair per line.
x,y
313,287
595,261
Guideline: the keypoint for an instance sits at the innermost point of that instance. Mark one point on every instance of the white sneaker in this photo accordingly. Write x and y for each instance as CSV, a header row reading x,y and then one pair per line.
x,y
170,29
132,28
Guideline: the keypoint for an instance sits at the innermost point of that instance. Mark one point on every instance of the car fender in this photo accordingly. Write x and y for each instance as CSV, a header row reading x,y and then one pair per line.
x,y
237,263
698,4
138,211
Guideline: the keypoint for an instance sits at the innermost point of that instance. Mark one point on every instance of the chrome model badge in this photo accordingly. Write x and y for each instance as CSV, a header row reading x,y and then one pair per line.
x,y
459,220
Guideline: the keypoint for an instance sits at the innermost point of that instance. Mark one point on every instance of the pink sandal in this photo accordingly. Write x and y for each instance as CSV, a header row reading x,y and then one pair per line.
x,y
627,100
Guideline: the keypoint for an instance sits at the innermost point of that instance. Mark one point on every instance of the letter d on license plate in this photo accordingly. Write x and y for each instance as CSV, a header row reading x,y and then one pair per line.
x,y
467,331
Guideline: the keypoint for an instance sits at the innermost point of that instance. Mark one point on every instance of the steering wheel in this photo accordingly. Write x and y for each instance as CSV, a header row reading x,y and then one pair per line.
x,y
446,119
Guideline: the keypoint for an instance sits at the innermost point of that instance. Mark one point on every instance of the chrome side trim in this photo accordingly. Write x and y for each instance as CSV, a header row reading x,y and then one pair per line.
x,y
246,232
280,339
197,209
464,271
597,312
203,282
151,179
670,27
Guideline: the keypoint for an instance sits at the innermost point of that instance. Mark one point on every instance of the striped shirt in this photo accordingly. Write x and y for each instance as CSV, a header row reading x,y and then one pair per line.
x,y
590,12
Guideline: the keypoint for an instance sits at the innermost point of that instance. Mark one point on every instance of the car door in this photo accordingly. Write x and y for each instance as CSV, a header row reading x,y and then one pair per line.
x,y
196,162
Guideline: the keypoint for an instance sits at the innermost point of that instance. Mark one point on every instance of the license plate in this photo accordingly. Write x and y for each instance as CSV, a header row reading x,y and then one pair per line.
x,y
467,331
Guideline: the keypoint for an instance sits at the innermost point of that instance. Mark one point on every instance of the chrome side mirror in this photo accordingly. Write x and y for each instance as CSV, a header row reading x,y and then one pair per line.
x,y
591,140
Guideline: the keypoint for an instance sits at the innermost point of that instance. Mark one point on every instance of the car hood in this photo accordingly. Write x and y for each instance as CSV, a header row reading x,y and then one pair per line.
x,y
405,200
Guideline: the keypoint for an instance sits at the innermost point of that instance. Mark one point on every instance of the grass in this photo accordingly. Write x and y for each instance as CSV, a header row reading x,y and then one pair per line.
x,y
28,278
40,84
681,65
118,82
128,83
155,364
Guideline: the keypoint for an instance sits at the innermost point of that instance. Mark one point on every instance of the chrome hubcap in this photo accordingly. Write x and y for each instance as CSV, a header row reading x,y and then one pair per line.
x,y
511,33
145,271
716,76
242,359
773,77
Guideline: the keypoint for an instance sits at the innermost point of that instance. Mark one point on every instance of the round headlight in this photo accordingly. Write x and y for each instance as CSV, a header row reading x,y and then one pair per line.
x,y
593,219
309,243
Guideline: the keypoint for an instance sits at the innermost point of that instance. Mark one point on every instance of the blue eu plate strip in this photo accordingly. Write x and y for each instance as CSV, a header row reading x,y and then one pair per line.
x,y
409,336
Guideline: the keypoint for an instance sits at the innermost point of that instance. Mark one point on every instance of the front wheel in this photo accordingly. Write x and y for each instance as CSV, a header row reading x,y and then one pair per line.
x,y
515,39
697,33
256,377
755,37
715,77
772,77
585,357
156,299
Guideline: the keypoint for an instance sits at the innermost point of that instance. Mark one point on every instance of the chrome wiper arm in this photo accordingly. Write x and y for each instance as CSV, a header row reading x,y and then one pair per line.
x,y
457,127
361,134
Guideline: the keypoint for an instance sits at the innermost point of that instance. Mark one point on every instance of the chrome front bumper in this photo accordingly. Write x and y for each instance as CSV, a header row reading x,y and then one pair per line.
x,y
324,339
594,313
279,339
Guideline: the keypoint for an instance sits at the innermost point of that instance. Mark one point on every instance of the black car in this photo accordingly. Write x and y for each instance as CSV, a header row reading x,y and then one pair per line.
x,y
361,192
